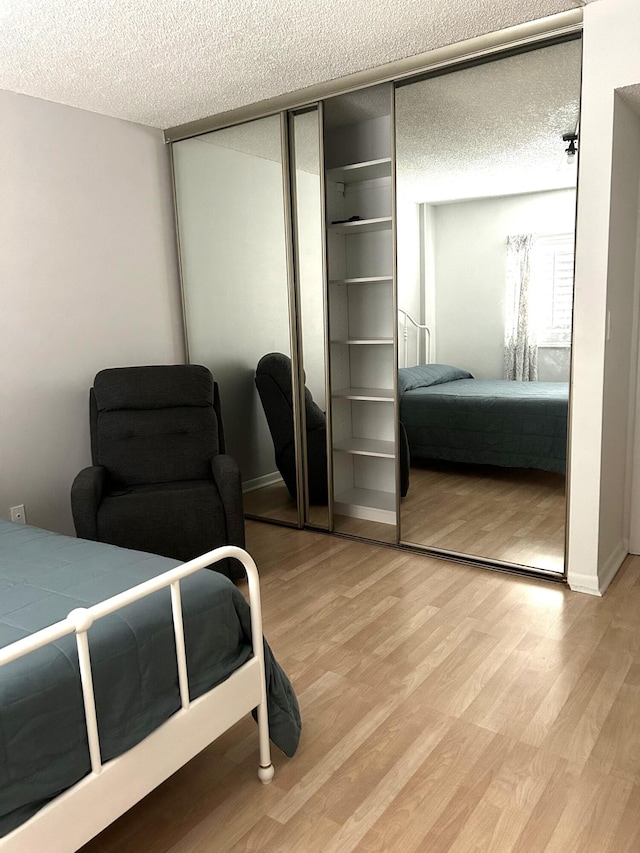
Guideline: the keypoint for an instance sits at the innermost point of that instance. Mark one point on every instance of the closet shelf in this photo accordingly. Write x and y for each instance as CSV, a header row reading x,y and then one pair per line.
x,y
374,279
364,341
367,447
382,395
367,503
363,226
364,171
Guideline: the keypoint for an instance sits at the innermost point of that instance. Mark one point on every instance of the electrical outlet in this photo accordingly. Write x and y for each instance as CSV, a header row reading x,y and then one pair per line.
x,y
18,514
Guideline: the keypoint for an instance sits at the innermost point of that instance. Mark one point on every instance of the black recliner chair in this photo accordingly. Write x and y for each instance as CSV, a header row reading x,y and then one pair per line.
x,y
160,481
273,381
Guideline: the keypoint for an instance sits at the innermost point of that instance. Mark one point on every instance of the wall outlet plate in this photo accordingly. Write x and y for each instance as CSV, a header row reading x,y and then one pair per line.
x,y
19,514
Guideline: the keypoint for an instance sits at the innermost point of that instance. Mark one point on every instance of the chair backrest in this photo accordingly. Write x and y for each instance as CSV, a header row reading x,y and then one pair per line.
x,y
273,381
154,424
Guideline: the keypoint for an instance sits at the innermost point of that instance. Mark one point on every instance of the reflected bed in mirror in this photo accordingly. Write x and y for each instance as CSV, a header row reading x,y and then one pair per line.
x,y
450,416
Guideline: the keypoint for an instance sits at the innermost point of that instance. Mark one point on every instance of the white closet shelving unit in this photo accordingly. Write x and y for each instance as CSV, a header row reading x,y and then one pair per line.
x,y
360,261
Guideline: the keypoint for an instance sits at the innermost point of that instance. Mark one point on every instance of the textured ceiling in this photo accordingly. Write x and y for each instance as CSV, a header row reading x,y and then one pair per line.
x,y
165,62
495,129
631,95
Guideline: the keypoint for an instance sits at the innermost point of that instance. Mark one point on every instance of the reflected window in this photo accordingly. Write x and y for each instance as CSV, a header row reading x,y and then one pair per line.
x,y
552,278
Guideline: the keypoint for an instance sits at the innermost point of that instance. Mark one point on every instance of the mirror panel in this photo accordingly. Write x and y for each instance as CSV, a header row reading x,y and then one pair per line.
x,y
308,252
486,218
231,220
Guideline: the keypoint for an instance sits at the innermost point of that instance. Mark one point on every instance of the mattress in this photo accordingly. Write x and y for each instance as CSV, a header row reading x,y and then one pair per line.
x,y
43,741
492,422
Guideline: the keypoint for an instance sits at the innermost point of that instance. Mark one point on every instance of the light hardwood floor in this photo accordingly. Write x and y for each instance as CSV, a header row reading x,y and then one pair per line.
x,y
446,709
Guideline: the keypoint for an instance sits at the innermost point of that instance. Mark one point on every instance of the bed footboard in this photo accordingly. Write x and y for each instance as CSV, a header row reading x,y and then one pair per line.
x,y
111,788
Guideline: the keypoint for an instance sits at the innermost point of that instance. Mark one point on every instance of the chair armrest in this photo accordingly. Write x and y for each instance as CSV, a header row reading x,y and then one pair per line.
x,y
226,475
86,495
405,460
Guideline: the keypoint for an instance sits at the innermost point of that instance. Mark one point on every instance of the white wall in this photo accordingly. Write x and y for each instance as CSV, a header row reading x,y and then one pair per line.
x,y
88,281
620,367
611,60
470,274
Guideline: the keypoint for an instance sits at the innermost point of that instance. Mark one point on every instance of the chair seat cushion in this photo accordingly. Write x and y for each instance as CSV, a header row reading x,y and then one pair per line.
x,y
181,520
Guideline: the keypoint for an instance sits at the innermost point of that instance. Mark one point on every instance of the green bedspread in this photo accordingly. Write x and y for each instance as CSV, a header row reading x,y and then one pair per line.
x,y
43,740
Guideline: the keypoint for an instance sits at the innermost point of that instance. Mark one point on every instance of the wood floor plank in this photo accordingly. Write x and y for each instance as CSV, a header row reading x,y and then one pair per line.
x,y
627,834
617,749
406,821
577,728
306,832
406,765
460,809
591,817
543,818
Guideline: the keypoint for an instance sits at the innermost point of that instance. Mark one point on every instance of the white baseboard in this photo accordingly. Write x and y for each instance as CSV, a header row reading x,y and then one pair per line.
x,y
261,482
598,585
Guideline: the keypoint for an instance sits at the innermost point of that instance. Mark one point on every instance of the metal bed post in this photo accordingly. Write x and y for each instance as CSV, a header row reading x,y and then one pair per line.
x,y
419,327
266,768
82,620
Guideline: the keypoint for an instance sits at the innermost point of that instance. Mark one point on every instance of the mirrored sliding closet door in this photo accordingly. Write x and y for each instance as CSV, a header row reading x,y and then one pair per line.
x,y
486,198
233,250
308,251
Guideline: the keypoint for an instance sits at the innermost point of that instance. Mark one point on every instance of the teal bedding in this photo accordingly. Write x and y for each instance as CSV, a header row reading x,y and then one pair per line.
x,y
450,416
43,742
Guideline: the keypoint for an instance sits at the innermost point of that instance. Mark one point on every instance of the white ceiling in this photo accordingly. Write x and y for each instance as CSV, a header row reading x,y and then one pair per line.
x,y
494,129
165,62
491,130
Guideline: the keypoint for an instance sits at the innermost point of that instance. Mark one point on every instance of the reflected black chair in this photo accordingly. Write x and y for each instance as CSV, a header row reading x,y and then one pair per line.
x,y
160,480
273,381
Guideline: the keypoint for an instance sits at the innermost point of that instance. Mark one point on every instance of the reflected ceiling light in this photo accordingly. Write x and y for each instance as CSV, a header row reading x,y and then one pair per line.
x,y
571,149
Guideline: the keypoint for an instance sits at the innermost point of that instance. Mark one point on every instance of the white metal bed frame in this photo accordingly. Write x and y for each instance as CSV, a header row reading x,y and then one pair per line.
x,y
405,320
110,789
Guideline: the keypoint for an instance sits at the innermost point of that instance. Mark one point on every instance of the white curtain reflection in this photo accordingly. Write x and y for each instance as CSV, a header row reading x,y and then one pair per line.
x,y
521,345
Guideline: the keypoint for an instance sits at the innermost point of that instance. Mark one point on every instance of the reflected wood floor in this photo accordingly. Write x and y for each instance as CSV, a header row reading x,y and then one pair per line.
x,y
511,514
274,502
446,709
